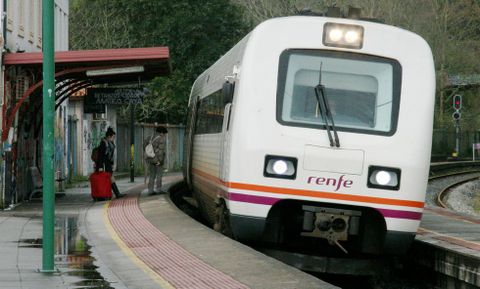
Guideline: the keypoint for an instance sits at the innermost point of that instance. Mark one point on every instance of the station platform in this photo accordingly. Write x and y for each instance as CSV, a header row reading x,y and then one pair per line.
x,y
138,241
448,243
143,241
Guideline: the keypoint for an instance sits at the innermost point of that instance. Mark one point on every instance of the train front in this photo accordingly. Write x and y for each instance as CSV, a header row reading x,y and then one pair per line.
x,y
331,136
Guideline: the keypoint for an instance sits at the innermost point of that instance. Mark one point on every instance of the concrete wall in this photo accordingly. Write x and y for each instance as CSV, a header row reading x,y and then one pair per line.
x,y
24,25
90,131
24,144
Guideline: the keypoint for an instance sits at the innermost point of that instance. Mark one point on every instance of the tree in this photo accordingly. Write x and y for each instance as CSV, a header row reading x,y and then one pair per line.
x,y
196,32
97,25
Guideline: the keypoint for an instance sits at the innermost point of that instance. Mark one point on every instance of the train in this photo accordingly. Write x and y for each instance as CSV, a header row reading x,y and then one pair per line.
x,y
315,132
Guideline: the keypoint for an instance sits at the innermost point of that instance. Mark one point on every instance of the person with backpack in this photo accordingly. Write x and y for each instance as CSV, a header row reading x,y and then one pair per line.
x,y
154,148
104,158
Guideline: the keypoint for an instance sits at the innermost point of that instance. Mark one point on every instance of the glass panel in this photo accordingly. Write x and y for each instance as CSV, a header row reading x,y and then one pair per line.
x,y
360,90
210,114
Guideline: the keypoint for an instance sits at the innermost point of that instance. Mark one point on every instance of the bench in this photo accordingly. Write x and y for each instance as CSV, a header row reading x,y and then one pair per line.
x,y
59,179
35,185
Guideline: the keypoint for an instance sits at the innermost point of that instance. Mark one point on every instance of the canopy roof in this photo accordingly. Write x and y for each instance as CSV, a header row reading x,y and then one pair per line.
x,y
154,60
75,70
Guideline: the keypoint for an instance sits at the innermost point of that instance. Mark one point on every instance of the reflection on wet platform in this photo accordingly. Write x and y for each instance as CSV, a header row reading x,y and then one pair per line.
x,y
73,256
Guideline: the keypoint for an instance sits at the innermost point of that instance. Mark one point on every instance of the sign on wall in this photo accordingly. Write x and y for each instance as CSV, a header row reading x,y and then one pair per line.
x,y
97,98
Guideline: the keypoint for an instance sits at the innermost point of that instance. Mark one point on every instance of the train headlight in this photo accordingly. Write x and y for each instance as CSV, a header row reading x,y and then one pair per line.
x,y
280,167
335,35
383,178
352,36
343,35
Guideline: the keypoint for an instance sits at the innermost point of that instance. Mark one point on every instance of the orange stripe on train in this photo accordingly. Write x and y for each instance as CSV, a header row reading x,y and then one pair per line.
x,y
310,193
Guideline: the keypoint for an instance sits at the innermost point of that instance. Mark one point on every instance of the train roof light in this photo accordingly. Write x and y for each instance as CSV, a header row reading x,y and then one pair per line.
x,y
343,35
335,34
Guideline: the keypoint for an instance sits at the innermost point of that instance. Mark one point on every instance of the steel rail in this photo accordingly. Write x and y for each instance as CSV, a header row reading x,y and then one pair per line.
x,y
446,190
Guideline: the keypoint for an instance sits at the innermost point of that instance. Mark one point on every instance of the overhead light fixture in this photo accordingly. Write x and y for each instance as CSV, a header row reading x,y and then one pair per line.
x,y
343,35
118,70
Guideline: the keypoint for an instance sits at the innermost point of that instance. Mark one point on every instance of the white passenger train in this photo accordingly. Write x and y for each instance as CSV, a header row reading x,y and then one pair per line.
x,y
315,131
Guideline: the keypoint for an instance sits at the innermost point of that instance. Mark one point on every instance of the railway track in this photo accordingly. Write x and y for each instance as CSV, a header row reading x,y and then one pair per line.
x,y
442,195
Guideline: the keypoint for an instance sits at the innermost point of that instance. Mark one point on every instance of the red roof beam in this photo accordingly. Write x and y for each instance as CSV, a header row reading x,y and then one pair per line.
x,y
93,57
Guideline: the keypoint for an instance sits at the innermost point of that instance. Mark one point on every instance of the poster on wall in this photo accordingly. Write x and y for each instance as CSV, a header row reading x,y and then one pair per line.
x,y
90,104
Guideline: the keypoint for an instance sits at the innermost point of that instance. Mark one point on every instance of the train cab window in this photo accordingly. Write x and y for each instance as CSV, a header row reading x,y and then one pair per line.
x,y
363,91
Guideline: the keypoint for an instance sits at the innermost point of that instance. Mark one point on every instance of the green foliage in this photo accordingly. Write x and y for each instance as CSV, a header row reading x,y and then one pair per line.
x,y
196,32
199,32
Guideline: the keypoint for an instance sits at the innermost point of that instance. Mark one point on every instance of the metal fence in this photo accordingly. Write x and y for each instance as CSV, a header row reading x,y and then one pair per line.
x,y
174,152
444,144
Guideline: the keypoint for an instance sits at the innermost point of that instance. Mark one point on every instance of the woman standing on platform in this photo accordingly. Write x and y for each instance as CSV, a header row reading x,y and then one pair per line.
x,y
105,159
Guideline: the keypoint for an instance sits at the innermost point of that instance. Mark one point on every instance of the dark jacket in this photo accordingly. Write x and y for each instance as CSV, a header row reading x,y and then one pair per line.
x,y
158,142
105,155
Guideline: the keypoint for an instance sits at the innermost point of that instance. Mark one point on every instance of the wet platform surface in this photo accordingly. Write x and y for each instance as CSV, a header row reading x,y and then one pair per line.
x,y
449,243
172,262
185,254
139,241
21,253
145,242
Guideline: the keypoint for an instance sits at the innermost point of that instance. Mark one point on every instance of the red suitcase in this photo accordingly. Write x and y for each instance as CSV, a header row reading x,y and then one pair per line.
x,y
101,185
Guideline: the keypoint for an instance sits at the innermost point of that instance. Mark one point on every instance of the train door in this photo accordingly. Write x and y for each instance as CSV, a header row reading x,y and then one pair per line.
x,y
227,91
224,153
189,137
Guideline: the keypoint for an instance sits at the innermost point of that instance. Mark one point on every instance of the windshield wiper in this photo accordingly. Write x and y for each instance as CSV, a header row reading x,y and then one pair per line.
x,y
324,107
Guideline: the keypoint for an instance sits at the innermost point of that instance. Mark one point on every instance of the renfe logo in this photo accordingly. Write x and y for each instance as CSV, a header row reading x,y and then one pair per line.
x,y
321,181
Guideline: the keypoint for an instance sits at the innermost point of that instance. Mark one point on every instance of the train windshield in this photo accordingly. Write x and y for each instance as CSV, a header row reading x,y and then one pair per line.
x,y
363,91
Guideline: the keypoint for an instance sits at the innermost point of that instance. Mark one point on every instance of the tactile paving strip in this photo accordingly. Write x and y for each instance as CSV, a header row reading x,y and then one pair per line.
x,y
173,263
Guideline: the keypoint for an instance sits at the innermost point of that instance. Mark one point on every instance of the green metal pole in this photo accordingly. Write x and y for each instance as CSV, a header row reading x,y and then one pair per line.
x,y
48,135
132,143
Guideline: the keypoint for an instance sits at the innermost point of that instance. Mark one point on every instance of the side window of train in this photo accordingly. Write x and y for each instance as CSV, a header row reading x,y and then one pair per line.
x,y
210,114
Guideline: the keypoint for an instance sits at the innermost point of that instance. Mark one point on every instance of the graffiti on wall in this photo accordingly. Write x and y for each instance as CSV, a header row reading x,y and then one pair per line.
x,y
93,132
60,142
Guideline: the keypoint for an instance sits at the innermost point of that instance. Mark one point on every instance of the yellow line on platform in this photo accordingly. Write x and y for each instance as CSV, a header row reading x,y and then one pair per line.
x,y
458,240
130,254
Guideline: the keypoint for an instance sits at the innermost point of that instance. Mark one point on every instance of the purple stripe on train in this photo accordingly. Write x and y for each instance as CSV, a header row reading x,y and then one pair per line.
x,y
271,201
253,199
400,214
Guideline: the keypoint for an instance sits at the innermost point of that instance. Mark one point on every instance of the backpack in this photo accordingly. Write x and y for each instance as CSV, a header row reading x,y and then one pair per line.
x,y
94,155
149,151
95,152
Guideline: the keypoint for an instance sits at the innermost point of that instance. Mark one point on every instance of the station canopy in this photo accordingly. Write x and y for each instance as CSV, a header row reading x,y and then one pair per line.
x,y
76,70
108,65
